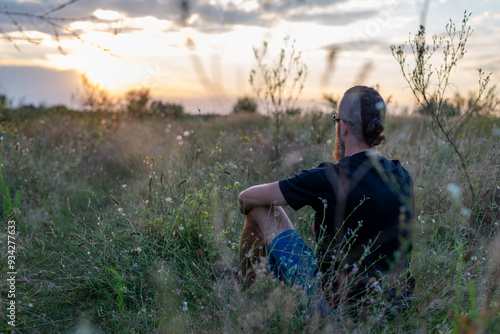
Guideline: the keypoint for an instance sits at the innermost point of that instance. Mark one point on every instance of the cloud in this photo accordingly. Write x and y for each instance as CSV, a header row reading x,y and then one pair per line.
x,y
212,15
485,16
331,18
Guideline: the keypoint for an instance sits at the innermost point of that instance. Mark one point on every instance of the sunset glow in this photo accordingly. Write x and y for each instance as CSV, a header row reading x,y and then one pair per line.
x,y
207,51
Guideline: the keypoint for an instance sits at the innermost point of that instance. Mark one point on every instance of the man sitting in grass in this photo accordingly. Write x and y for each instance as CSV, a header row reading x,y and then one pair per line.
x,y
362,205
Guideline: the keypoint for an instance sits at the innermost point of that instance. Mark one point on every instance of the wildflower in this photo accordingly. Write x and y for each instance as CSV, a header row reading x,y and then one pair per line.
x,y
184,306
186,133
124,186
181,142
120,210
168,199
179,138
181,228
236,183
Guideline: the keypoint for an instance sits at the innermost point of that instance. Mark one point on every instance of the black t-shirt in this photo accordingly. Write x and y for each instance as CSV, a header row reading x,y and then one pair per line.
x,y
363,201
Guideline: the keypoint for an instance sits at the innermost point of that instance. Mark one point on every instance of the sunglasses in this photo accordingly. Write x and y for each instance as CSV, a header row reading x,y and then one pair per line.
x,y
337,119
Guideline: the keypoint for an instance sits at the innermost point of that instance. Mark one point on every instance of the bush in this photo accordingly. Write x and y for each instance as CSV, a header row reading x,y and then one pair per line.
x,y
137,101
167,109
245,104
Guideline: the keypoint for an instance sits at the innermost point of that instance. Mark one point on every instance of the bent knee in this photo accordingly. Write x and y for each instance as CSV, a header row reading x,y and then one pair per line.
x,y
258,213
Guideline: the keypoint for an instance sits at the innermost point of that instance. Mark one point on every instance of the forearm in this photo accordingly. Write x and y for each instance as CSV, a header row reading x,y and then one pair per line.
x,y
261,195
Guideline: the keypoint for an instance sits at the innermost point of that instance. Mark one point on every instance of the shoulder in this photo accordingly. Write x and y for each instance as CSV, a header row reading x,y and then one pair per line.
x,y
312,176
326,165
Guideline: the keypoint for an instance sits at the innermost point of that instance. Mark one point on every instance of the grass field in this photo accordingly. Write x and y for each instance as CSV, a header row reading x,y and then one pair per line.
x,y
131,226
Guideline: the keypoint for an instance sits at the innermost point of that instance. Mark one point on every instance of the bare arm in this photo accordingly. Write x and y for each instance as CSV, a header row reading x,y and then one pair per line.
x,y
261,195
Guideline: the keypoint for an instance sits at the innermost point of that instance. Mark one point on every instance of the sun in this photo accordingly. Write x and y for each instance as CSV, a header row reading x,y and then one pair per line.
x,y
107,71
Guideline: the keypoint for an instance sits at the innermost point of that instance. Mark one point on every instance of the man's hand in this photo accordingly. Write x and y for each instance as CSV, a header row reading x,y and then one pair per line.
x,y
261,195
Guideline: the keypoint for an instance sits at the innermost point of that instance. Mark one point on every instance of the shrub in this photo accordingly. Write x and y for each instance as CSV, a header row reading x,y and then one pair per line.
x,y
167,109
278,84
137,101
245,104
93,97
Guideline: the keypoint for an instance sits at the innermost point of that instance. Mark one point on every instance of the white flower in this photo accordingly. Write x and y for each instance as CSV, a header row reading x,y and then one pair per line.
x,y
168,199
181,227
179,138
124,186
186,133
184,306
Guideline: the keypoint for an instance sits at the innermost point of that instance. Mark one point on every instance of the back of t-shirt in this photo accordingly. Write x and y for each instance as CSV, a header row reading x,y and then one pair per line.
x,y
363,205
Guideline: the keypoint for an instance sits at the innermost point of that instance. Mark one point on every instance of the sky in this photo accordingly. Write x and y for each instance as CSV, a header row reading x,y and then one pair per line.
x,y
199,53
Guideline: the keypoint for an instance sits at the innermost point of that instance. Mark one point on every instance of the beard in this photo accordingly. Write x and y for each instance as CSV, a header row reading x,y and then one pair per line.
x,y
339,153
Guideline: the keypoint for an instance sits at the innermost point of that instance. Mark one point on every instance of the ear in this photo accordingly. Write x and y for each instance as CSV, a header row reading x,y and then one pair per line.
x,y
344,128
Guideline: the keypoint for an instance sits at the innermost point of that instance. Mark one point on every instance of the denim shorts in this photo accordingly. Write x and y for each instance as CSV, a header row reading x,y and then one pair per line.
x,y
291,259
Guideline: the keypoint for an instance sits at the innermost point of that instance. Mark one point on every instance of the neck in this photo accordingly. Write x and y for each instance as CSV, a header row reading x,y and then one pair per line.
x,y
354,147
353,151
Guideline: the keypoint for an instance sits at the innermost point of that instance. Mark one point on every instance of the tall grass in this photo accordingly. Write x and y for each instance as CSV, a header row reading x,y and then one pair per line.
x,y
133,226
